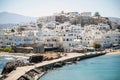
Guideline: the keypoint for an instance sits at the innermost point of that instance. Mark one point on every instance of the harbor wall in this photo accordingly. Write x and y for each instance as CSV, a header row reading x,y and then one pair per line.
x,y
38,71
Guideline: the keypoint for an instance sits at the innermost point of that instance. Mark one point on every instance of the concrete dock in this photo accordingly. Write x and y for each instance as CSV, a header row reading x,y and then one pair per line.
x,y
16,74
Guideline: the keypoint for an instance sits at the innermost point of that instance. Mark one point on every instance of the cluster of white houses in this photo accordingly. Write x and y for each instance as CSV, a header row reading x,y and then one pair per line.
x,y
60,35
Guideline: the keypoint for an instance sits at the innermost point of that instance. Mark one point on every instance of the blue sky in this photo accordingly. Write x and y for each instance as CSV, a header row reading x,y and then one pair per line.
x,y
36,8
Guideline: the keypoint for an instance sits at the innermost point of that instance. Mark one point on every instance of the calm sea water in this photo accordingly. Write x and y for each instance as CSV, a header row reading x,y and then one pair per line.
x,y
105,67
8,58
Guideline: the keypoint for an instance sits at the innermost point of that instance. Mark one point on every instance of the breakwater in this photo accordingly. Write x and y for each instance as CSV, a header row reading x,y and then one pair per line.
x,y
35,71
99,68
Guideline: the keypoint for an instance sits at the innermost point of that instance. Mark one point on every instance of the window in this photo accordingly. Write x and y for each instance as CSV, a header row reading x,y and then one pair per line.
x,y
67,40
107,36
70,35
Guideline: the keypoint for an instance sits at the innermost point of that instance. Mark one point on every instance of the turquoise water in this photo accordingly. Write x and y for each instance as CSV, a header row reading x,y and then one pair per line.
x,y
105,67
5,59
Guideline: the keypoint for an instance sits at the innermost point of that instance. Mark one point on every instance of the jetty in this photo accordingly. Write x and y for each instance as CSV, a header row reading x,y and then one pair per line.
x,y
35,71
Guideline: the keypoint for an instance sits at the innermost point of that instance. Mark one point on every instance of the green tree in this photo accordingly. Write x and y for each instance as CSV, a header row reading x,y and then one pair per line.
x,y
98,17
97,14
7,49
97,46
12,30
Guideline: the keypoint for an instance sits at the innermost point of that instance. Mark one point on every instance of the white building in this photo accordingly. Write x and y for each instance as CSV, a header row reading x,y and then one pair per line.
x,y
109,38
54,34
100,34
50,38
87,14
102,26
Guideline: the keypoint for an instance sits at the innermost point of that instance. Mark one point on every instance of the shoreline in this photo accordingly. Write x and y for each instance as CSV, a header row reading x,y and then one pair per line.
x,y
25,71
109,52
71,54
16,54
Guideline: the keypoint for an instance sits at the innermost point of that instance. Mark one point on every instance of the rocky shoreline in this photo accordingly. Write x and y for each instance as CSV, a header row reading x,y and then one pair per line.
x,y
35,73
11,66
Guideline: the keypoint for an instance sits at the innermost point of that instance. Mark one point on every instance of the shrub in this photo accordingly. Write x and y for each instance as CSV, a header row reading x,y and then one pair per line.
x,y
97,46
7,49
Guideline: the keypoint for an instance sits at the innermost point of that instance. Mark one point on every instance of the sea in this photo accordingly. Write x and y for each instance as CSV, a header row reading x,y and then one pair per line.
x,y
8,58
106,67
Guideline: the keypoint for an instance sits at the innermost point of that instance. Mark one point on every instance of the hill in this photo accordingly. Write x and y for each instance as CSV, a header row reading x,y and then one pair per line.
x,y
12,18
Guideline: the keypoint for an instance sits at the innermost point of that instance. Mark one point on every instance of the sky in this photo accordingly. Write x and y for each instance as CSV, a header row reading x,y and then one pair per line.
x,y
38,8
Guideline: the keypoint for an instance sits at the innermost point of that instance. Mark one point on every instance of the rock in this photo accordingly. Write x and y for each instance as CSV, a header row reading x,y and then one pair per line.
x,y
2,77
10,66
78,59
69,62
45,58
58,65
36,58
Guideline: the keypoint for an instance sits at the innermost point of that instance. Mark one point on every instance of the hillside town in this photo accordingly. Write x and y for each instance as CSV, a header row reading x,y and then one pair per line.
x,y
71,31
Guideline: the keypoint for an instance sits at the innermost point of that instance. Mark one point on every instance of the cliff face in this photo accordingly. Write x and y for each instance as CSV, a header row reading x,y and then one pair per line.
x,y
10,66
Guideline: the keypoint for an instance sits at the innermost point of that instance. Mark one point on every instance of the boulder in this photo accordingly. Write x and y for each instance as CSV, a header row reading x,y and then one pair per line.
x,y
58,64
10,66
78,59
36,58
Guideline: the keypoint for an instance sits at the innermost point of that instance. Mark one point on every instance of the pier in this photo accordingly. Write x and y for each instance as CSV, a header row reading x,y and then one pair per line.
x,y
33,72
